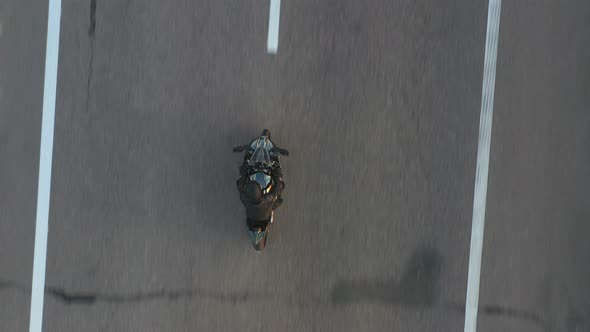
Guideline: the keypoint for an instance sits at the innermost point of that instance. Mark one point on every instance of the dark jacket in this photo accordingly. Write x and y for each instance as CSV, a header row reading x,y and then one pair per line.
x,y
259,212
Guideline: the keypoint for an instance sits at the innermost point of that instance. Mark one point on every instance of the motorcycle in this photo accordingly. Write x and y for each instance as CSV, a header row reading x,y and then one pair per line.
x,y
260,160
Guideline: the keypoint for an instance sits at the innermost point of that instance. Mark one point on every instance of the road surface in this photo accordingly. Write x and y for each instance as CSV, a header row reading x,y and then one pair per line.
x,y
378,102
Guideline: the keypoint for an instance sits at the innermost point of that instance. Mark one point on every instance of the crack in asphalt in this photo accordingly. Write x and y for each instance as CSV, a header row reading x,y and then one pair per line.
x,y
498,310
502,311
91,31
89,298
92,18
171,295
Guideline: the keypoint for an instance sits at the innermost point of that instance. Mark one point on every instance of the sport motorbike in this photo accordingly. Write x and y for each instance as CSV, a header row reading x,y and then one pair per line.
x,y
260,162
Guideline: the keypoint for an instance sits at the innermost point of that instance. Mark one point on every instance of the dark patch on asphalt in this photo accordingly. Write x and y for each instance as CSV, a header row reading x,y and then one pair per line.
x,y
7,284
418,287
577,323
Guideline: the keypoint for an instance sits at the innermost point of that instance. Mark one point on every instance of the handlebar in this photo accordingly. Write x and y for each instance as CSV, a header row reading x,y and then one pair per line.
x,y
275,149
241,148
283,152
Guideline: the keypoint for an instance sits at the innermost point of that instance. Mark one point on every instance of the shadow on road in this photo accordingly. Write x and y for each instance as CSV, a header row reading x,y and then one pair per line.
x,y
417,287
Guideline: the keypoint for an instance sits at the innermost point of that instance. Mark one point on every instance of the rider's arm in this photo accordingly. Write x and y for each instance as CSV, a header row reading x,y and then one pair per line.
x,y
279,185
240,183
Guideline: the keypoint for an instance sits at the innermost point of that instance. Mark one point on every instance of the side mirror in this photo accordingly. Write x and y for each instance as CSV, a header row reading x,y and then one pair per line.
x,y
281,151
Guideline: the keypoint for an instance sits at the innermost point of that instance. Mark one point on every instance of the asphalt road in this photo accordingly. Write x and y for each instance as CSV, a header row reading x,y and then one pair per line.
x,y
23,29
536,249
378,102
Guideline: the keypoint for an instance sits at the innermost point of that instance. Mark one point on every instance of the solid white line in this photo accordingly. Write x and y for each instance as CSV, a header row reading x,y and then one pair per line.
x,y
273,26
45,158
483,160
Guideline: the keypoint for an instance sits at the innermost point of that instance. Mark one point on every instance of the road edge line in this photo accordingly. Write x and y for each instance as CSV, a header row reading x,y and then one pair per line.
x,y
45,160
482,169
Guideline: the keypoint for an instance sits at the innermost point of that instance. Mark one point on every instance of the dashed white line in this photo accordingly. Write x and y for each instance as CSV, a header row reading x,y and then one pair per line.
x,y
273,26
483,160
45,159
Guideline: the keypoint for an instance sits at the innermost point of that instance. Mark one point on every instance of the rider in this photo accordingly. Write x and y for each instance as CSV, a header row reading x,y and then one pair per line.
x,y
259,206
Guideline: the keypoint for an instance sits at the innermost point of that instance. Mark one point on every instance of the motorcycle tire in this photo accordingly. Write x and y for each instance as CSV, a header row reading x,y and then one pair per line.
x,y
262,244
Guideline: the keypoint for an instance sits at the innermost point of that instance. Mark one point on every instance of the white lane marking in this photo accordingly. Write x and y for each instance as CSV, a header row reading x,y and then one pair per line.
x,y
483,160
45,158
273,26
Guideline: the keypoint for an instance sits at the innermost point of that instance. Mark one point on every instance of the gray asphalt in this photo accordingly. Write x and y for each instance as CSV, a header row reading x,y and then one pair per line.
x,y
378,103
23,29
536,249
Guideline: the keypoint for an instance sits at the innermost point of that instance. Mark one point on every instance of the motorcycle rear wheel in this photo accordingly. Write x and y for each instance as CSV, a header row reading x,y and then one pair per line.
x,y
262,244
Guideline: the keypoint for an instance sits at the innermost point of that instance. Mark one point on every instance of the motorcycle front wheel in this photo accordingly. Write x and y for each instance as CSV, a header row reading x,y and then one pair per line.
x,y
266,133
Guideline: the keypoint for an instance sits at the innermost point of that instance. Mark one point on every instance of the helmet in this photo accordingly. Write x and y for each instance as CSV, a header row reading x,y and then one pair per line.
x,y
253,191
